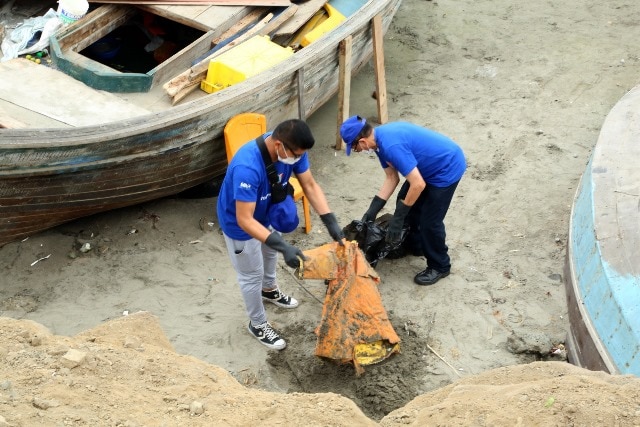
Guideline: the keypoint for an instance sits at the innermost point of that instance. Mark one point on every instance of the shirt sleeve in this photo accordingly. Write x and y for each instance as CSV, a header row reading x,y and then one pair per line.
x,y
246,183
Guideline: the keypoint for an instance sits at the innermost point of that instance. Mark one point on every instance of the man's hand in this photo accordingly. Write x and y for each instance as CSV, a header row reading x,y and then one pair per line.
x,y
376,206
394,231
292,255
330,221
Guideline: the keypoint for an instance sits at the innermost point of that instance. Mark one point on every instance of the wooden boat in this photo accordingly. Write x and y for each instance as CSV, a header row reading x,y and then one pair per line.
x,y
602,270
114,150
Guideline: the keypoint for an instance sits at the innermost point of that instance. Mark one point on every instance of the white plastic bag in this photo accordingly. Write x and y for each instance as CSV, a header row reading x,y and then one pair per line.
x,y
15,43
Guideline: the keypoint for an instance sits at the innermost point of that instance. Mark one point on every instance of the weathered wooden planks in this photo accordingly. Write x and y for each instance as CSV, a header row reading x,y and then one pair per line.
x,y
62,98
188,81
199,2
304,12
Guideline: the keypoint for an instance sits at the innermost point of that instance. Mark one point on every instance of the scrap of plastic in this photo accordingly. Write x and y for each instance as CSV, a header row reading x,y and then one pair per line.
x,y
15,43
371,239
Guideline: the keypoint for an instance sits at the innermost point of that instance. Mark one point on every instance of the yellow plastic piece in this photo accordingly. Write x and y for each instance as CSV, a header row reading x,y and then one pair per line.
x,y
243,61
244,127
316,19
374,352
334,19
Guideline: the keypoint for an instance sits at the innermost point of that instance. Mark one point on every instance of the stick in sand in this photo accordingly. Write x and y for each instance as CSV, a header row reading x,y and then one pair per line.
x,y
442,358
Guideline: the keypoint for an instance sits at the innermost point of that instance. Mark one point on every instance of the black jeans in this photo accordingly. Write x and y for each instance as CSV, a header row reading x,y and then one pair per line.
x,y
426,221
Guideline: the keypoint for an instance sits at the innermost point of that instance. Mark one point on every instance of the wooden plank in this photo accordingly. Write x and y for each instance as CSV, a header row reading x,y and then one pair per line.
x,y
205,18
191,11
64,98
213,16
305,11
93,26
239,26
182,59
378,60
344,84
200,3
8,122
301,110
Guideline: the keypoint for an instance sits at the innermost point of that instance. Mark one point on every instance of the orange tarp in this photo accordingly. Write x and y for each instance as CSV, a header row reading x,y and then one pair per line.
x,y
354,327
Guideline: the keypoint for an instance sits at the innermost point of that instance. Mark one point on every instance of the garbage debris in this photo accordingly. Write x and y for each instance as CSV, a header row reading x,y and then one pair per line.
x,y
40,259
354,327
371,239
30,36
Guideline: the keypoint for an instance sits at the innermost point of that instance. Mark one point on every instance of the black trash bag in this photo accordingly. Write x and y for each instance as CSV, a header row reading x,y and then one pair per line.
x,y
370,236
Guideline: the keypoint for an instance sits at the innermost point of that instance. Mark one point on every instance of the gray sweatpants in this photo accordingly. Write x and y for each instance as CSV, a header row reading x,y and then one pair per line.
x,y
255,263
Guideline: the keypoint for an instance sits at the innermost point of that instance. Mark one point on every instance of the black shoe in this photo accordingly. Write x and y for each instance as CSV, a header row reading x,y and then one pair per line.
x,y
279,298
429,276
267,336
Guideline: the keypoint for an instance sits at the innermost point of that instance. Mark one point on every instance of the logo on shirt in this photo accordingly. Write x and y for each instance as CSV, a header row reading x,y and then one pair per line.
x,y
245,185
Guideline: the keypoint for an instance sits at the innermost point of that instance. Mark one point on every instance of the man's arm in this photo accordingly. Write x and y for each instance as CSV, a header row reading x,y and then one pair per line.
x,y
313,192
246,221
416,185
391,180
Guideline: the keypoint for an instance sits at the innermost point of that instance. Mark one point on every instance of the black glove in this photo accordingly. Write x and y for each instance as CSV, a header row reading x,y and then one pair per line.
x,y
394,231
291,253
329,220
376,206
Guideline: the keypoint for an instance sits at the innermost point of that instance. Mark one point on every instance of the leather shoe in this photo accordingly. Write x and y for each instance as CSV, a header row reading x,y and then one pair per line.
x,y
429,276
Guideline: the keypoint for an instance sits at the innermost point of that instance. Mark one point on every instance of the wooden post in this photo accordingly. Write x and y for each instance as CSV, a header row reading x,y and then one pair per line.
x,y
301,111
344,84
378,59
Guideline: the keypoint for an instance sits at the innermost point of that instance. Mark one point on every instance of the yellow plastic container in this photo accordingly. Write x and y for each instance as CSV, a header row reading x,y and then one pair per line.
x,y
243,61
334,19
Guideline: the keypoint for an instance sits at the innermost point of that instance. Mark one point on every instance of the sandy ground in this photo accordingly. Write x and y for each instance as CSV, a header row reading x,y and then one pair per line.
x,y
522,86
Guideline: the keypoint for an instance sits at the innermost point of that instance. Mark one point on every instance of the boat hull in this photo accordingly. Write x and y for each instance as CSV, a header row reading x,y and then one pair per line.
x,y
602,272
51,176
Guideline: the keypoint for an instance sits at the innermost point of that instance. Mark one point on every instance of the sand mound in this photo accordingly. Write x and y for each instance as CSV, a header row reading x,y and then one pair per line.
x,y
125,372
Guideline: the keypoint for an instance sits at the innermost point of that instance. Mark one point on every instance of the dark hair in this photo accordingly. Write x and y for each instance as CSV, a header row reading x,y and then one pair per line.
x,y
294,133
364,132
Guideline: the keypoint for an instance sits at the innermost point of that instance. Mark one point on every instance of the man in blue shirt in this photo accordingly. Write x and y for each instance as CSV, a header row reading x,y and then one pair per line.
x,y
243,212
433,165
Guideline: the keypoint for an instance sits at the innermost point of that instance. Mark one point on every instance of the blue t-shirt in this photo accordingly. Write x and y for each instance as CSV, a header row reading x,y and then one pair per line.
x,y
246,180
405,145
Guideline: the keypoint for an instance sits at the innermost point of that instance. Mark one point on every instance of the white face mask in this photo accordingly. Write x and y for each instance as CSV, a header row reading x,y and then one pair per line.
x,y
287,160
370,151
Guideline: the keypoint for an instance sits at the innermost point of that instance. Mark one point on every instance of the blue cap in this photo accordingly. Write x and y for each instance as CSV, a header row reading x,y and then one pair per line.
x,y
284,215
350,130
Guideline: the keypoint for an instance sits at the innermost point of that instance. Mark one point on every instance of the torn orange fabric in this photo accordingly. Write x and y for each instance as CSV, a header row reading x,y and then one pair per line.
x,y
354,327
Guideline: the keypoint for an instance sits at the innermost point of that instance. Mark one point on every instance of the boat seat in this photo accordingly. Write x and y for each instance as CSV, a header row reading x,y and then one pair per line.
x,y
245,127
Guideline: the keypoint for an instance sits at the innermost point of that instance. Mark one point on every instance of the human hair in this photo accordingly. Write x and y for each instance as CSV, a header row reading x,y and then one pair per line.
x,y
364,132
294,133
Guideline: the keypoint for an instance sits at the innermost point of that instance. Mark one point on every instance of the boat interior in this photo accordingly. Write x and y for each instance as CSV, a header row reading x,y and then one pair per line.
x,y
120,60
